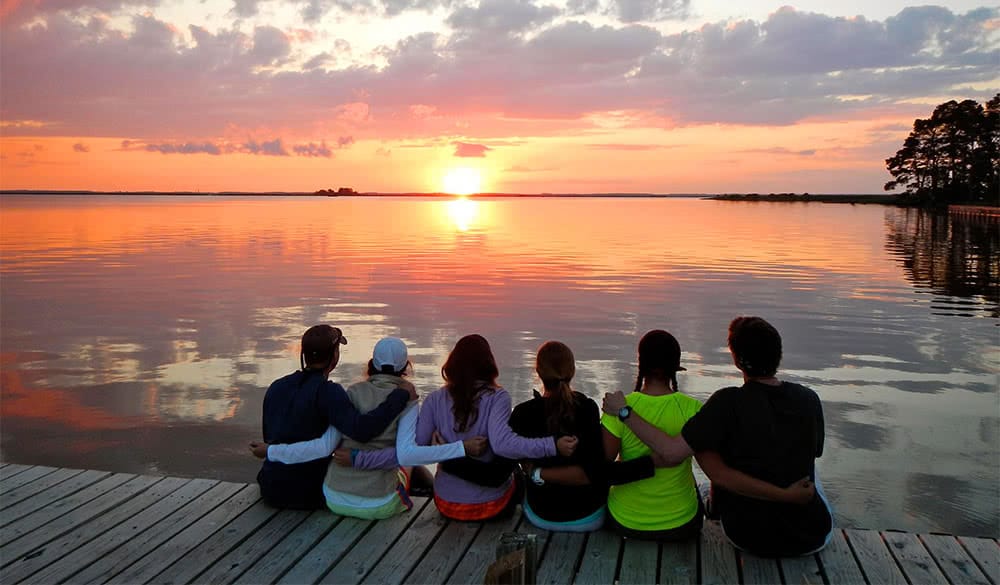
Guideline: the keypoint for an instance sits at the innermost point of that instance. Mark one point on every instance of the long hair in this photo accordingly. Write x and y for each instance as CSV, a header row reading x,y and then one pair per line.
x,y
555,366
659,358
469,371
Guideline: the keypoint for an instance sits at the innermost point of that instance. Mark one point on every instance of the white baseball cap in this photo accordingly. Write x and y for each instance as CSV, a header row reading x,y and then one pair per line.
x,y
390,351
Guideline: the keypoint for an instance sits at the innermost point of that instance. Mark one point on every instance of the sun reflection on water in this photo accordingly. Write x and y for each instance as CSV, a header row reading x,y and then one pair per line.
x,y
463,213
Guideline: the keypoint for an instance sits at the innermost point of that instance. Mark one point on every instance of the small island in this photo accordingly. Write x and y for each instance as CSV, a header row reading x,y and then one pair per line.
x,y
343,191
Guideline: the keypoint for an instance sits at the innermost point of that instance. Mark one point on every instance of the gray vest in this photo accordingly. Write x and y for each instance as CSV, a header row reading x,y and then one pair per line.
x,y
371,483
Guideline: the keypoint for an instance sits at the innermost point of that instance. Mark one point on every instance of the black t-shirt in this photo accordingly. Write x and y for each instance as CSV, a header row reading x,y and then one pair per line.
x,y
563,503
773,433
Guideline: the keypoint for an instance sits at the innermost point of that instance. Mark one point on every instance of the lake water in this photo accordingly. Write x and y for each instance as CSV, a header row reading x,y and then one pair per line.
x,y
139,334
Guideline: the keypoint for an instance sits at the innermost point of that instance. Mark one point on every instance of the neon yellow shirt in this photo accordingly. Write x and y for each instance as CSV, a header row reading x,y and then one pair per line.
x,y
668,499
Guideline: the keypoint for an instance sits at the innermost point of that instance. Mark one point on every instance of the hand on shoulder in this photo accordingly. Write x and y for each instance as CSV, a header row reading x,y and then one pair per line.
x,y
613,402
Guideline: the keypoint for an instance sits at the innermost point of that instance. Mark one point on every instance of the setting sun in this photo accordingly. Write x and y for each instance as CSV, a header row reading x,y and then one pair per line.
x,y
462,181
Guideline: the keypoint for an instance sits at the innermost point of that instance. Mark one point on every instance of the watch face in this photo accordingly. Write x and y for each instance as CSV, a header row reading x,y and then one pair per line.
x,y
624,412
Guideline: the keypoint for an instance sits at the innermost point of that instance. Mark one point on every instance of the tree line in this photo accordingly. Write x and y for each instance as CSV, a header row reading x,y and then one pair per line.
x,y
951,157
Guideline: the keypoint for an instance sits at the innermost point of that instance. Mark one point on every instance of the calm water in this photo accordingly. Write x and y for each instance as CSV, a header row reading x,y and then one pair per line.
x,y
139,334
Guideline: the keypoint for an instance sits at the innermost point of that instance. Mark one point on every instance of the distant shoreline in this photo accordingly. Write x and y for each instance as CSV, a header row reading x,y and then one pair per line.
x,y
811,198
782,197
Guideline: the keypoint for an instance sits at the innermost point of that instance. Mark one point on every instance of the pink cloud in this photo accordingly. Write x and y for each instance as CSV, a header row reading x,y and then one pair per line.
x,y
468,150
788,68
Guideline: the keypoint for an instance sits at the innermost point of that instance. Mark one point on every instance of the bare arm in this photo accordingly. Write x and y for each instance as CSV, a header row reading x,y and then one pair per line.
x,y
565,475
612,444
800,492
672,450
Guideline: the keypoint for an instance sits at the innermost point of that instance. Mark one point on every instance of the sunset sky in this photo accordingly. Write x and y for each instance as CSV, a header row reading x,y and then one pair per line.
x,y
664,96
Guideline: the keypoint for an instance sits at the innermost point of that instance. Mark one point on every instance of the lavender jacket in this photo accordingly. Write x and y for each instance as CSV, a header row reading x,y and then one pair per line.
x,y
494,410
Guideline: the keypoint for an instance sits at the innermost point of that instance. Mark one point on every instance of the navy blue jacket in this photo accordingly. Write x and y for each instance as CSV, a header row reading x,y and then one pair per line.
x,y
299,407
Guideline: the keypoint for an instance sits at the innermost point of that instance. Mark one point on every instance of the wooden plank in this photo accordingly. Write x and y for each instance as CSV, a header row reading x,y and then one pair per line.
x,y
639,559
51,497
446,554
986,553
229,568
526,527
838,560
353,567
18,494
599,565
874,557
12,469
801,570
913,558
481,552
287,552
64,567
67,513
149,540
228,537
562,557
406,553
181,543
718,557
679,563
759,569
9,484
954,561
328,552
49,543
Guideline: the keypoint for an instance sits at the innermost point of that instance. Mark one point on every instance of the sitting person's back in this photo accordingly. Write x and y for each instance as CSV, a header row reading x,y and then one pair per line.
x,y
374,483
665,506
574,500
771,430
292,413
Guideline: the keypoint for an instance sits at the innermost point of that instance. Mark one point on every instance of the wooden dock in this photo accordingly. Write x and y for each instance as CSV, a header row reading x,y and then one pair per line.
x,y
82,526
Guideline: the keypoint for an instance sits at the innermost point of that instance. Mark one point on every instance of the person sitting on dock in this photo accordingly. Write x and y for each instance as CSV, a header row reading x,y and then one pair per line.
x,y
470,404
567,494
768,429
301,405
665,507
372,480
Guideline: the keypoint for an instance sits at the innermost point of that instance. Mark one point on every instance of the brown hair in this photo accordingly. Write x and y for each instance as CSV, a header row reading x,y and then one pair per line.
x,y
555,366
659,358
756,345
469,371
319,343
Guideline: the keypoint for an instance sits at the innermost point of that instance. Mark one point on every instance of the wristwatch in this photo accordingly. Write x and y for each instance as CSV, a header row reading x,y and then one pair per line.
x,y
624,412
536,476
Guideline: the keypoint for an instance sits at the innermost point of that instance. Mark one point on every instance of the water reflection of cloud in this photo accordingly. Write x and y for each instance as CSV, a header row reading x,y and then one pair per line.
x,y
855,434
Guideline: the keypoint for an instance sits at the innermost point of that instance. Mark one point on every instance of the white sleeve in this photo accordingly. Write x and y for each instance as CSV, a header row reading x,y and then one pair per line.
x,y
303,451
409,453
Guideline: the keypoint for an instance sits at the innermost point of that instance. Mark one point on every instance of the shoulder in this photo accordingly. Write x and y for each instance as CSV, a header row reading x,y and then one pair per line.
x,y
283,381
688,403
724,395
531,405
496,400
435,397
801,392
